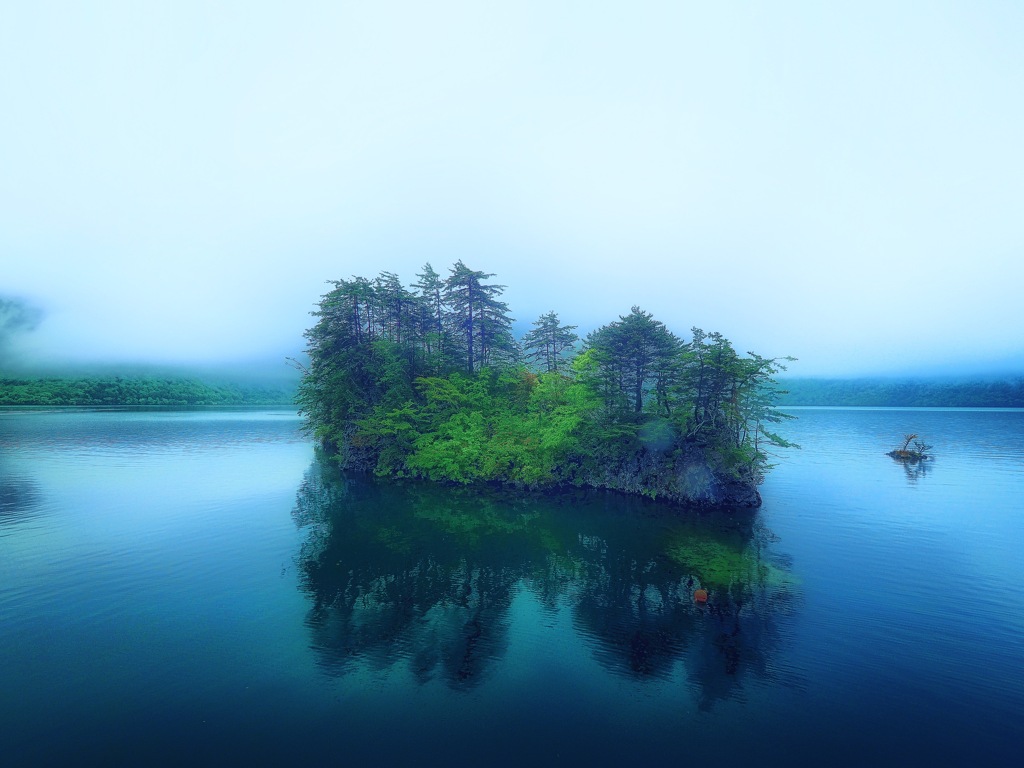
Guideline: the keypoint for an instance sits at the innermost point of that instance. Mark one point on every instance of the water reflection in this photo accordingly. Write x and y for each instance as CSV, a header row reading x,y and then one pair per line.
x,y
425,575
914,470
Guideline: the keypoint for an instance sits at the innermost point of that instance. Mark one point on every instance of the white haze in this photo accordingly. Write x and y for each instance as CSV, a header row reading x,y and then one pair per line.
x,y
841,182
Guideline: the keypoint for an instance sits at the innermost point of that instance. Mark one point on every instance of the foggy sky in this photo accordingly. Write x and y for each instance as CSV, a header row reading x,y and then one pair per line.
x,y
840,182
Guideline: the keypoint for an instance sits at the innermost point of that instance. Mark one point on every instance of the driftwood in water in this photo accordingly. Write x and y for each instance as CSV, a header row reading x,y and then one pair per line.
x,y
919,452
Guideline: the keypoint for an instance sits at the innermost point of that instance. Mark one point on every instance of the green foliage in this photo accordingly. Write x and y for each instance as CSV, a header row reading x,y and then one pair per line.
x,y
135,391
905,393
510,427
429,385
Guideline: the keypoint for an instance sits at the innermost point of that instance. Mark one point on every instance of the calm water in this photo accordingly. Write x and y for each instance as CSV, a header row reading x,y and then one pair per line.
x,y
197,588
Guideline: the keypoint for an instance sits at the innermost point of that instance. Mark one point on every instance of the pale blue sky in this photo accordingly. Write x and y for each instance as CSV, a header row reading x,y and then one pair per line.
x,y
841,182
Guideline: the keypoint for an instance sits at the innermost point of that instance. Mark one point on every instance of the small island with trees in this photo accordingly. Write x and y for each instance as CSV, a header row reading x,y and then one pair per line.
x,y
429,382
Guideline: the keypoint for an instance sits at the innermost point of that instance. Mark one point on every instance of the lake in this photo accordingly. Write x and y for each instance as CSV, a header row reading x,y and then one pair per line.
x,y
202,588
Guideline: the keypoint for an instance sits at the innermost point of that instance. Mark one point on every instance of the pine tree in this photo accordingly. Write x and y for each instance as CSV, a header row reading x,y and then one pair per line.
x,y
634,355
430,292
547,343
478,319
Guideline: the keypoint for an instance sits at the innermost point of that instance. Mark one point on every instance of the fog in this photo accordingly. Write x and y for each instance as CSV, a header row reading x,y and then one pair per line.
x,y
839,182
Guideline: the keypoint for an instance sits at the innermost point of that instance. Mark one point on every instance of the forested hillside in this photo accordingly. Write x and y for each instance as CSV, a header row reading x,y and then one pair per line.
x,y
135,390
904,393
428,381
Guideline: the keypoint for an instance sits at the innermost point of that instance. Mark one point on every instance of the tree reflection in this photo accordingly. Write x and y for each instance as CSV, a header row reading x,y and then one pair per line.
x,y
390,583
424,575
915,470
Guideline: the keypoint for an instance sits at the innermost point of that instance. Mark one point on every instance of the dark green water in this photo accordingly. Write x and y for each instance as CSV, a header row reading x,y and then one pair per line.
x,y
197,588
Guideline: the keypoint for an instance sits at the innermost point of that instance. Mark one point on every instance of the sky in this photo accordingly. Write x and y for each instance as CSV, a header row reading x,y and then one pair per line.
x,y
841,182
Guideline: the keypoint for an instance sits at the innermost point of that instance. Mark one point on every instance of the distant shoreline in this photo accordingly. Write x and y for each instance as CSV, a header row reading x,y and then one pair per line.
x,y
9,409
902,393
137,392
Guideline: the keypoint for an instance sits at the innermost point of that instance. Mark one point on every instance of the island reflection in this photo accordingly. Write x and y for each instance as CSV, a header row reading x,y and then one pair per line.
x,y
915,470
424,575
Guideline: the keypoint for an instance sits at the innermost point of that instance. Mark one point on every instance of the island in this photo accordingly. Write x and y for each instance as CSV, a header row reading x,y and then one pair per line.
x,y
428,381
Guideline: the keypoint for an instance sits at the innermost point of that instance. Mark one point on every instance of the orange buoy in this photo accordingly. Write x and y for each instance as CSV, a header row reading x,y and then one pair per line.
x,y
700,595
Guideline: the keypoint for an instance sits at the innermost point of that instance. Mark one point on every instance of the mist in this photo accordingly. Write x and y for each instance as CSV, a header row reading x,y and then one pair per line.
x,y
841,184
18,319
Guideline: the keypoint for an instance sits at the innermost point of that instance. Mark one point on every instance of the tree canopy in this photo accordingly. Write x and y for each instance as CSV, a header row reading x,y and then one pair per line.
x,y
546,345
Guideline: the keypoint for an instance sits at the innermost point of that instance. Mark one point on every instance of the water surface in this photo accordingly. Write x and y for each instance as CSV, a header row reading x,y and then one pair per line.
x,y
202,587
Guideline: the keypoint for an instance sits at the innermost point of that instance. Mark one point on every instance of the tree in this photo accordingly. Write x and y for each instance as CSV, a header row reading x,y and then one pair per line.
x,y
634,355
350,370
546,344
431,290
730,400
396,309
478,318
